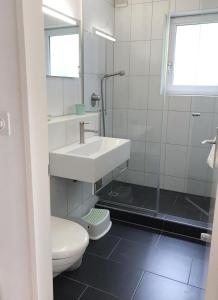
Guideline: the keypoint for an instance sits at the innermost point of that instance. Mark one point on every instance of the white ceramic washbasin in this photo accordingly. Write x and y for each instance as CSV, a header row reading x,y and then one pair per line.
x,y
91,161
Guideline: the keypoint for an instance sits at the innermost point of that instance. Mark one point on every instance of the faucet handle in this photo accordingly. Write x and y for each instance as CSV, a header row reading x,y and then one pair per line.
x,y
83,123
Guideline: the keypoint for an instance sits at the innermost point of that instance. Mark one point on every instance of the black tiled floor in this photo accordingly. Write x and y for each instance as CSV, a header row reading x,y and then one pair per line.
x,y
158,261
129,232
114,278
143,265
181,247
93,294
154,287
66,289
104,246
198,273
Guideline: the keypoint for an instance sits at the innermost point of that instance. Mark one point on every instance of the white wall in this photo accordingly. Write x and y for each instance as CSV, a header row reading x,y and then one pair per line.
x,y
165,137
25,262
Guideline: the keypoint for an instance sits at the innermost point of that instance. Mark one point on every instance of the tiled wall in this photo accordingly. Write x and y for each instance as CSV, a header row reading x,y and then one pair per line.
x,y
69,198
62,95
98,53
165,137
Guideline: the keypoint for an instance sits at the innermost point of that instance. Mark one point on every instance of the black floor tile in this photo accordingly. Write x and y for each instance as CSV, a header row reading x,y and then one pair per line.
x,y
149,258
198,275
182,247
92,294
104,246
117,279
129,194
66,289
137,234
154,287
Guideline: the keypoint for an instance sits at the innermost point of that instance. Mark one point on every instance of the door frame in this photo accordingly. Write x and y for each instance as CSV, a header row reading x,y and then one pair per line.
x,y
34,113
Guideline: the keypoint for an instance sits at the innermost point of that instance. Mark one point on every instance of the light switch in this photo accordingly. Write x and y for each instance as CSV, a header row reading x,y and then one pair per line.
x,y
5,124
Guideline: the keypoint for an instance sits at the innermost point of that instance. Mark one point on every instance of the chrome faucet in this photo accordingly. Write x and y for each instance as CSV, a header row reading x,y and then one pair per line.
x,y
82,131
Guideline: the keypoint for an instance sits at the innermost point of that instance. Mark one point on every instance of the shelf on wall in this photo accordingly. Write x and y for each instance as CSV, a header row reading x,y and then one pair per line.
x,y
66,118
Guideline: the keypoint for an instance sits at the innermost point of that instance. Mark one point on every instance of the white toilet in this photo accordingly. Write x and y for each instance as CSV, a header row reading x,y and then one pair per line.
x,y
69,242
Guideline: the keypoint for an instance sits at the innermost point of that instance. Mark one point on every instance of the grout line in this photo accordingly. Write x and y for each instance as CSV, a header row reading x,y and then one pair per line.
x,y
83,292
137,286
190,270
110,254
90,286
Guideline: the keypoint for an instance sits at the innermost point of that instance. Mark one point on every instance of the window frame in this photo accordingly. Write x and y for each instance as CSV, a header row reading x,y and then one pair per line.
x,y
191,90
49,32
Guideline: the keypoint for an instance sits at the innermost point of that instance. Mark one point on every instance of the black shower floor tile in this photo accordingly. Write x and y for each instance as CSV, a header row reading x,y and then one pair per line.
x,y
104,246
67,289
143,197
154,287
93,294
117,279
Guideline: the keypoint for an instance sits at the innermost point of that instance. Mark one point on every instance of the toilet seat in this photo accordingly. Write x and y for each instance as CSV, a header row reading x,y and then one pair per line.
x,y
69,239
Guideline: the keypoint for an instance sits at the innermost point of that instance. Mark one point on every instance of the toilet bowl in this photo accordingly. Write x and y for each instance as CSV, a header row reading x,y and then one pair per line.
x,y
69,242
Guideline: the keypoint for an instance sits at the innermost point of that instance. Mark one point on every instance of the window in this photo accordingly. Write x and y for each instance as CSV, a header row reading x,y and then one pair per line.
x,y
63,53
193,55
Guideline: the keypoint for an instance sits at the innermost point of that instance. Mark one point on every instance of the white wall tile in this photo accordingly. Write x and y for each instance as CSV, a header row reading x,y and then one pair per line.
x,y
141,22
138,92
152,158
139,58
151,180
98,14
203,104
135,177
154,126
155,98
56,136
206,4
137,124
55,98
109,57
197,187
179,103
137,159
198,168
156,57
201,128
121,92
160,9
74,195
121,56
174,184
186,5
72,94
91,85
123,23
120,123
175,162
178,127
58,194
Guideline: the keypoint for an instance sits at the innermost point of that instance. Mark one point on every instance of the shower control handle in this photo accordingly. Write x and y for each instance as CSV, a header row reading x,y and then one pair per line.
x,y
95,98
211,142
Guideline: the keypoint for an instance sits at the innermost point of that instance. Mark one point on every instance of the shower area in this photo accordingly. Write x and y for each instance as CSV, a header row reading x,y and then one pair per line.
x,y
167,176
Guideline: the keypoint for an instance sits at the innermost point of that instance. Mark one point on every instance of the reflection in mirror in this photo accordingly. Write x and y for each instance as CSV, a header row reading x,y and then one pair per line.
x,y
62,41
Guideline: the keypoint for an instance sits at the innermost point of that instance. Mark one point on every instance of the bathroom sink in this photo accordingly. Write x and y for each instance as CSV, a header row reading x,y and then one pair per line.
x,y
91,161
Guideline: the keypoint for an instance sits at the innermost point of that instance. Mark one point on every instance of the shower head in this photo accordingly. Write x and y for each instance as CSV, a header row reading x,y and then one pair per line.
x,y
120,73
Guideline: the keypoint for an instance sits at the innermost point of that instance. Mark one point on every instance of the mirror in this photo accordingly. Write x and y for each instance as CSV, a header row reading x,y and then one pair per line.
x,y
62,44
